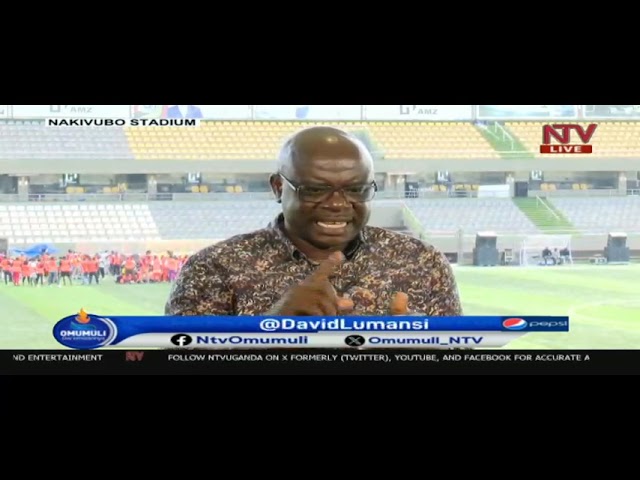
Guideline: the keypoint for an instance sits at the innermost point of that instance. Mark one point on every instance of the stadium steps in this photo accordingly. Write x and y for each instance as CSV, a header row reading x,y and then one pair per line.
x,y
542,216
506,148
412,223
617,213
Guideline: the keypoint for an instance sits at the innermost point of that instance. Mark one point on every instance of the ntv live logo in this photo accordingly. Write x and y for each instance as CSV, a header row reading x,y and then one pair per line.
x,y
562,133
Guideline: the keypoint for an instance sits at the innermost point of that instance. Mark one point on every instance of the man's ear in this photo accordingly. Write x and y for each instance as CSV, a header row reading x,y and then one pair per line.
x,y
276,186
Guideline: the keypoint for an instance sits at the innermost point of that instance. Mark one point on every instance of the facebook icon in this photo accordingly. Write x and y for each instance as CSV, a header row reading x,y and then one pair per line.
x,y
181,340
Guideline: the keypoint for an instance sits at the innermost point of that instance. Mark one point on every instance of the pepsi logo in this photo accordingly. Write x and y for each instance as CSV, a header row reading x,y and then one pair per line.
x,y
514,323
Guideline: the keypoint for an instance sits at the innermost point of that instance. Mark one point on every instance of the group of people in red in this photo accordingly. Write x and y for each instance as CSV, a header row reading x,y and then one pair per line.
x,y
84,269
147,268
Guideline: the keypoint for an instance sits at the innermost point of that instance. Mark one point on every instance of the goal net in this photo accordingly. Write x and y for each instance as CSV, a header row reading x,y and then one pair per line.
x,y
532,248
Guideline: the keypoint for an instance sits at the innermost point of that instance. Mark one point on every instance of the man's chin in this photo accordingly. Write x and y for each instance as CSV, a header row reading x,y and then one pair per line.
x,y
332,243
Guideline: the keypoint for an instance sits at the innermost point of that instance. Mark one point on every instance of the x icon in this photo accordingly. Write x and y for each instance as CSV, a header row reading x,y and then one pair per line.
x,y
354,340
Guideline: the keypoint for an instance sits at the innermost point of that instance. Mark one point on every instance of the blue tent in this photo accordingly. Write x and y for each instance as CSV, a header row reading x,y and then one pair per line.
x,y
36,250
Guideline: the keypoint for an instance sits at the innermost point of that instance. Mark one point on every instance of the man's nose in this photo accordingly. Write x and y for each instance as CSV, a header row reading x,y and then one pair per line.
x,y
337,199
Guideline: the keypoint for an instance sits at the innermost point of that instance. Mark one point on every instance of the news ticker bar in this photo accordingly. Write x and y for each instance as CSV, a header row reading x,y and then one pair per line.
x,y
319,361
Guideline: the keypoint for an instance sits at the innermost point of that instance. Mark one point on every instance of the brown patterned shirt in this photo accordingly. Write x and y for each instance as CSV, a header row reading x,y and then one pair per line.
x,y
247,274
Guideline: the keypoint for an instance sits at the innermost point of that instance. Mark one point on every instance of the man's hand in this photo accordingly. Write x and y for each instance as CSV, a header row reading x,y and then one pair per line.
x,y
399,304
315,296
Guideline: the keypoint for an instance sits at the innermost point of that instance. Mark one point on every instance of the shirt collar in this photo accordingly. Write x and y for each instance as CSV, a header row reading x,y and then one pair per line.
x,y
277,225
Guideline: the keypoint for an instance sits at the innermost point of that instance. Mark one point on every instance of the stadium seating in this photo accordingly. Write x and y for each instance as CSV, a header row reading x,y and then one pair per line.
x,y
246,140
214,220
470,215
216,140
40,142
415,140
239,140
611,139
211,220
27,224
601,213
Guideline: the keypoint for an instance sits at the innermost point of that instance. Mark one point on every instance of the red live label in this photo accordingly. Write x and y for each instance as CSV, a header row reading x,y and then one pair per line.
x,y
566,148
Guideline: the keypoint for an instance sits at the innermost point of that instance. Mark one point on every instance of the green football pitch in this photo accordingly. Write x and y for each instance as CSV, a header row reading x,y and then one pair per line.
x,y
602,302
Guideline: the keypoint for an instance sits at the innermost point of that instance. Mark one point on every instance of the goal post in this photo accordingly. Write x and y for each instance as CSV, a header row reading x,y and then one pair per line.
x,y
533,245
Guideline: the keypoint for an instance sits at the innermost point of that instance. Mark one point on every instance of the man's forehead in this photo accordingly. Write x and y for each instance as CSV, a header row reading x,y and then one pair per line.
x,y
320,167
321,140
331,164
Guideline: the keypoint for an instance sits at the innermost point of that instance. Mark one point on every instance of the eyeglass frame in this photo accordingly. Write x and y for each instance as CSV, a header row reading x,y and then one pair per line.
x,y
329,194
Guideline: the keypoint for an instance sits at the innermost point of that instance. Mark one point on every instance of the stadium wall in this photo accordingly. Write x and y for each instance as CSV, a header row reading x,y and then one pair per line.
x,y
17,167
583,245
387,214
458,247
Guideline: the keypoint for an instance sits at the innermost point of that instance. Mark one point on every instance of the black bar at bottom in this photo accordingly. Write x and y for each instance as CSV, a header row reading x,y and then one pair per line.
x,y
319,361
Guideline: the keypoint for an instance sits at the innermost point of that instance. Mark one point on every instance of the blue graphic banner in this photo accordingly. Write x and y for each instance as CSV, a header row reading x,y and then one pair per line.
x,y
86,330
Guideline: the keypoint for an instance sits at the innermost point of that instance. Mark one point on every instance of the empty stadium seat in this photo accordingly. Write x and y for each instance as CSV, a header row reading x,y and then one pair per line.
x,y
211,220
415,140
242,140
73,223
470,215
600,213
40,142
233,140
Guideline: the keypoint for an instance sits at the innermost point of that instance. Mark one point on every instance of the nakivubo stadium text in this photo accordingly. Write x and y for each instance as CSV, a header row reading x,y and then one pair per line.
x,y
122,122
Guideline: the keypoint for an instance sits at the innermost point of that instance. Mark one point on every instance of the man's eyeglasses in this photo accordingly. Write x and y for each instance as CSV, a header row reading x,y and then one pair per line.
x,y
319,193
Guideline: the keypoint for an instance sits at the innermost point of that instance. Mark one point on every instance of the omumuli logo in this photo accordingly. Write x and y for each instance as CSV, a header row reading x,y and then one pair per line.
x,y
84,331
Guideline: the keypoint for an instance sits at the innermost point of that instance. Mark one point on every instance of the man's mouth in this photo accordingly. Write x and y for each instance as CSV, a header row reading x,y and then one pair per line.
x,y
335,225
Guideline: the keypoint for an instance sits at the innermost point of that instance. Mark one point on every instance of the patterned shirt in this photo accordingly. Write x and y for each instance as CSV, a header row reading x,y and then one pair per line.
x,y
248,273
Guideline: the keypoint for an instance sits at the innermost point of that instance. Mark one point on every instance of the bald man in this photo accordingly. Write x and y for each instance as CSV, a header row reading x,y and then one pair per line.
x,y
318,257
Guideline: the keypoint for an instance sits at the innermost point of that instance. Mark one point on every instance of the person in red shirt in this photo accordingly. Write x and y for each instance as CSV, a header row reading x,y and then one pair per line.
x,y
126,278
52,268
26,273
85,270
164,260
92,269
143,272
157,270
40,272
6,270
16,271
146,260
65,271
172,267
117,260
129,266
